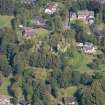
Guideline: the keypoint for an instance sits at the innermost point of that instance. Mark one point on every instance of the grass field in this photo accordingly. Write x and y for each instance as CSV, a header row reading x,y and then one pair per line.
x,y
4,86
101,26
67,92
80,61
41,33
5,21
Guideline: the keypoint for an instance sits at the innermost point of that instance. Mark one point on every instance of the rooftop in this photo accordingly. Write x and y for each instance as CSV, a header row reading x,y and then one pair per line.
x,y
38,20
5,100
23,102
86,12
68,100
100,1
51,5
33,2
28,32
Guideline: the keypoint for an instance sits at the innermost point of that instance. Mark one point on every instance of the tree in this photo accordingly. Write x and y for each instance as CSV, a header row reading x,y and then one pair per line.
x,y
92,95
76,76
28,89
13,23
4,66
86,79
95,6
16,91
58,25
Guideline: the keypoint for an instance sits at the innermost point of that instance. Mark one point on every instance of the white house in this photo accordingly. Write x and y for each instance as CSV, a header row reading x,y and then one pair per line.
x,y
5,100
73,16
84,13
21,26
79,45
51,8
89,48
90,19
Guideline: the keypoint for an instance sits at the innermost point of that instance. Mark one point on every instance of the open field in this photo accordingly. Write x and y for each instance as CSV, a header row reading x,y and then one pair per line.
x,y
5,21
41,33
4,86
67,92
80,61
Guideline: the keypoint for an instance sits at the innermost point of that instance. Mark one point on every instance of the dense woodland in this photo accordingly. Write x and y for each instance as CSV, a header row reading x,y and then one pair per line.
x,y
36,73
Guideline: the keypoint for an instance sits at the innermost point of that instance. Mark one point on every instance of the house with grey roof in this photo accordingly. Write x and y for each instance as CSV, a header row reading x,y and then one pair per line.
x,y
87,16
28,2
89,48
68,100
39,21
23,102
99,1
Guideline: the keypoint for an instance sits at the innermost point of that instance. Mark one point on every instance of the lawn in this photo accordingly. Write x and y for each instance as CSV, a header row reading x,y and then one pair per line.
x,y
80,61
5,21
41,33
101,26
67,92
4,86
